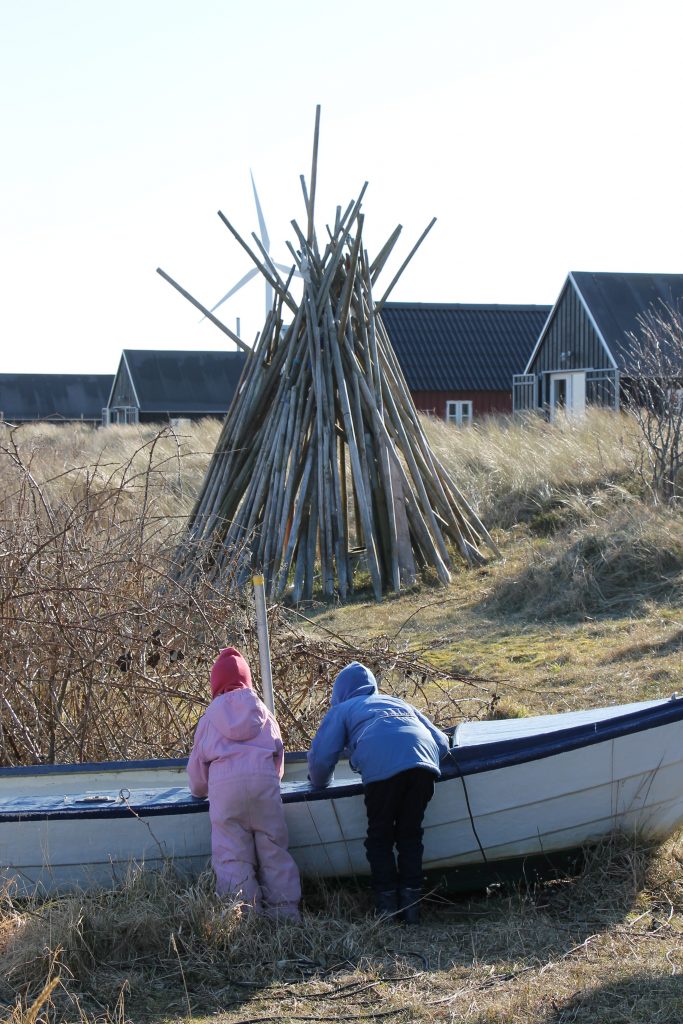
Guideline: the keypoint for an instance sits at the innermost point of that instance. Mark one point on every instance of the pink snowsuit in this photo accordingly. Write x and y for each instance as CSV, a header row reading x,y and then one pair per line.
x,y
238,761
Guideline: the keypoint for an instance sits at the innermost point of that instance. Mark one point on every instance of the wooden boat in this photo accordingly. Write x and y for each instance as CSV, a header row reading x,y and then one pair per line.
x,y
515,796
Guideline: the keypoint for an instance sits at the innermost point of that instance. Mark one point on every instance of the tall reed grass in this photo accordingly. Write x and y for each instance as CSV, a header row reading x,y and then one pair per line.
x,y
579,485
510,468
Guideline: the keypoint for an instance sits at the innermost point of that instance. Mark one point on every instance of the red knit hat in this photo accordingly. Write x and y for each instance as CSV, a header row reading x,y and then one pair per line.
x,y
230,672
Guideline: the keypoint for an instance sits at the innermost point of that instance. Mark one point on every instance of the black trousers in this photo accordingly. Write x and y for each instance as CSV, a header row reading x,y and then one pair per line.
x,y
396,807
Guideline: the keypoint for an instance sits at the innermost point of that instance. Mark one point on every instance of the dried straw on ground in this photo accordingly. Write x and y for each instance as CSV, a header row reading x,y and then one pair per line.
x,y
322,462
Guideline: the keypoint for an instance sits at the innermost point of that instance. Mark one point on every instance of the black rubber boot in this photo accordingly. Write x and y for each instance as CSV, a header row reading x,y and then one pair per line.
x,y
409,905
386,902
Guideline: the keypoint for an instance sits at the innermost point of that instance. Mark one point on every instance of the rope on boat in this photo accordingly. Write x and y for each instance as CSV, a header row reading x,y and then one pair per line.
x,y
451,754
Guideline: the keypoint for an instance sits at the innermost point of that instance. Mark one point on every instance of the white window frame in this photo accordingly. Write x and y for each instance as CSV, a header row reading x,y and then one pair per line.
x,y
459,411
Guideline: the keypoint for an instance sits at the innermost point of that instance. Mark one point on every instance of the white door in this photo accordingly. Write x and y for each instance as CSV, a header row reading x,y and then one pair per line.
x,y
567,394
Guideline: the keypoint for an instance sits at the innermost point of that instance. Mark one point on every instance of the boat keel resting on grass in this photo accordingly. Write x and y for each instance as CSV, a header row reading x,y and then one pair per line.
x,y
516,796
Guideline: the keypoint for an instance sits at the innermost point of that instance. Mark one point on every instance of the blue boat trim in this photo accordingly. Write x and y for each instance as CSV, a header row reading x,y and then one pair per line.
x,y
486,757
86,767
108,812
468,761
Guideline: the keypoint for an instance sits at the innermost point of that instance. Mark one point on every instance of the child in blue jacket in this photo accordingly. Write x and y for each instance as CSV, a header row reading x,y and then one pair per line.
x,y
397,751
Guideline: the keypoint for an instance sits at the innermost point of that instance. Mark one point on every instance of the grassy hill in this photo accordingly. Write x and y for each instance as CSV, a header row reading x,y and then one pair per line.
x,y
583,608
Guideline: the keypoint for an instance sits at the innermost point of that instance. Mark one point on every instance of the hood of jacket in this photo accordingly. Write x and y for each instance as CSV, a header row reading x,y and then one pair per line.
x,y
238,715
353,681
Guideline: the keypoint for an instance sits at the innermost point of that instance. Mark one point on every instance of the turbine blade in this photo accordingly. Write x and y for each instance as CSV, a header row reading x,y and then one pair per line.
x,y
235,288
286,269
261,220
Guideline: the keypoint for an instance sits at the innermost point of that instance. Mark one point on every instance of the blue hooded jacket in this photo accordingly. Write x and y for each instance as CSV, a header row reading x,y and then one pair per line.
x,y
384,735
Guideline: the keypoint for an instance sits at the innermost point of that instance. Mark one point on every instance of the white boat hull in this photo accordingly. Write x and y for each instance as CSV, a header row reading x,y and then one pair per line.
x,y
517,792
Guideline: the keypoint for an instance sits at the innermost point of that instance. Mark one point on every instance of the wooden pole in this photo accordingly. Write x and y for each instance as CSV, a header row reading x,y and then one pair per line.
x,y
204,310
314,178
263,643
405,264
384,253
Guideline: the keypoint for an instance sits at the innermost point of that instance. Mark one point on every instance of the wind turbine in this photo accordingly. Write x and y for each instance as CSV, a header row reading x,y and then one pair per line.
x,y
265,246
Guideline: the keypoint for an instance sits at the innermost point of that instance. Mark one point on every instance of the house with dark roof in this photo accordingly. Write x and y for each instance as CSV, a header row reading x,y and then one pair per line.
x,y
458,360
57,397
584,355
158,386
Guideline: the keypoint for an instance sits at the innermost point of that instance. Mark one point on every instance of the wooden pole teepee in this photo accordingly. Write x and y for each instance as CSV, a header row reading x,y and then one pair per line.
x,y
322,464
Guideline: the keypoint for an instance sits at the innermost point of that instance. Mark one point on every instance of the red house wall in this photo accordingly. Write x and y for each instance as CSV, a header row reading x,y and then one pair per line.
x,y
484,403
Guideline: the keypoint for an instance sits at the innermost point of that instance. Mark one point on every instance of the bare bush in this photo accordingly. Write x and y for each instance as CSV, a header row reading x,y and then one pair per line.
x,y
105,653
654,396
102,653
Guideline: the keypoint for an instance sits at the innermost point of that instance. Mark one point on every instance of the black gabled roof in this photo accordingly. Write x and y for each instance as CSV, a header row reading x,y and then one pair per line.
x,y
184,382
57,396
458,347
615,301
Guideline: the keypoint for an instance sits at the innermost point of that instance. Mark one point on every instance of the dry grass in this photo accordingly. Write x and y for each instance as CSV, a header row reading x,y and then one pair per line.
x,y
616,560
517,470
578,950
583,608
61,456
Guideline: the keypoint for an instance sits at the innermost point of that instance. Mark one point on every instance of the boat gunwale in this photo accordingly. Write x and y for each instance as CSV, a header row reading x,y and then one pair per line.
x,y
467,761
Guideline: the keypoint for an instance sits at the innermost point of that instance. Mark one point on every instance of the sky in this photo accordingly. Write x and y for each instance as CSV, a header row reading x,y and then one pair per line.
x,y
544,137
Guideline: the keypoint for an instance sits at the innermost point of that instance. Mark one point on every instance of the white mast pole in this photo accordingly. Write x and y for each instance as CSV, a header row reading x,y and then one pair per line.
x,y
263,643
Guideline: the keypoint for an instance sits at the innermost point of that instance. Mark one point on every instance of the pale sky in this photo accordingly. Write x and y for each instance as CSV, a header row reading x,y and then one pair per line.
x,y
544,136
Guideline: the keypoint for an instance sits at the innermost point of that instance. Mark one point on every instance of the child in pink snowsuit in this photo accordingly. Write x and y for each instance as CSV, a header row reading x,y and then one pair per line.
x,y
238,761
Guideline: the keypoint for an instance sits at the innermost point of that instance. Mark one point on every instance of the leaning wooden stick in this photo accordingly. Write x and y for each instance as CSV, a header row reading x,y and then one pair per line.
x,y
204,310
405,264
314,178
263,643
